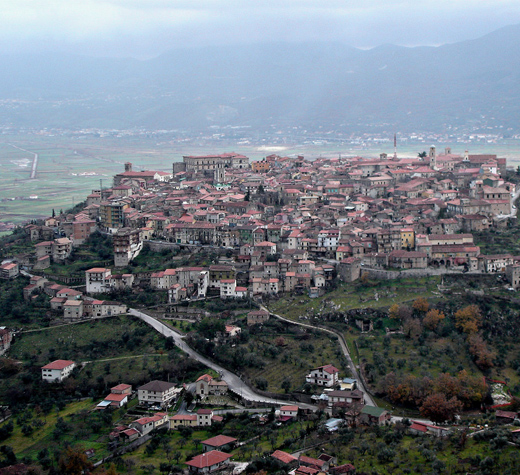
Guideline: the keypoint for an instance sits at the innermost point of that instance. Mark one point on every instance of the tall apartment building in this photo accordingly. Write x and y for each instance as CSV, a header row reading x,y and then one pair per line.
x,y
128,244
111,215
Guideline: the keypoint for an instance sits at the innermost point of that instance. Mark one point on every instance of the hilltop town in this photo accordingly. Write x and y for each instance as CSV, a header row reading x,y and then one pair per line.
x,y
293,225
245,242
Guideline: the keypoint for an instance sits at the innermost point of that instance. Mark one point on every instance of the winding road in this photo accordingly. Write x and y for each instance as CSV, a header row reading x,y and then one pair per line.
x,y
234,382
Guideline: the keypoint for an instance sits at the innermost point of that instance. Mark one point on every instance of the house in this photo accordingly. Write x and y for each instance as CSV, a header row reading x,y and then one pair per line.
x,y
507,417
146,424
374,415
316,464
257,316
72,309
304,470
114,400
288,412
57,371
219,442
208,462
233,331
129,434
345,398
122,389
287,459
323,376
424,428
183,420
204,417
9,270
345,469
206,385
118,396
156,393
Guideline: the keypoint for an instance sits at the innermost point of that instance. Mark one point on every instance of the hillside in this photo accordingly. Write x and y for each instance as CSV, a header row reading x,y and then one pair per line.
x,y
468,84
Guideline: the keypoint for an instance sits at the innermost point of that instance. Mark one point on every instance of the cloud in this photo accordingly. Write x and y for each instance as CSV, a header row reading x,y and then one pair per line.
x,y
148,27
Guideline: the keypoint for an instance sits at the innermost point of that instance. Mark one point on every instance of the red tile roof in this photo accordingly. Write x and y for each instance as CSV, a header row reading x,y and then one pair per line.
x,y
58,364
208,459
219,440
283,456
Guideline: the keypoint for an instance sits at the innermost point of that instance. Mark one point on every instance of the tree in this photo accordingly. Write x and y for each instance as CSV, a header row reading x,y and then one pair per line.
x,y
111,470
169,344
74,461
8,456
261,383
286,385
422,154
412,328
439,409
433,318
480,352
188,397
393,312
468,319
421,305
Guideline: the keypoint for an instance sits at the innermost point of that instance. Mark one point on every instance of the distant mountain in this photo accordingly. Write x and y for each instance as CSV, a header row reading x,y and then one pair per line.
x,y
473,82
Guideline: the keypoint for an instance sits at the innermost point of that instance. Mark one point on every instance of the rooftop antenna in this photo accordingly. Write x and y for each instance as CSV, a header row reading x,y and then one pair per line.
x,y
101,184
395,145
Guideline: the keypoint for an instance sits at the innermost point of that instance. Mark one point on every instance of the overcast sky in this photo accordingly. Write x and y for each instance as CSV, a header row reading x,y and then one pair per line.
x,y
146,28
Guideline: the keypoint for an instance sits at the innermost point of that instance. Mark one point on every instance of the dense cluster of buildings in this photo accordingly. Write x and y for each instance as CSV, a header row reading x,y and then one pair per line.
x,y
292,224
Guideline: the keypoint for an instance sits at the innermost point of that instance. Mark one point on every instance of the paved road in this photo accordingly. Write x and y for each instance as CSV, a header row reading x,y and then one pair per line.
x,y
233,381
369,401
34,166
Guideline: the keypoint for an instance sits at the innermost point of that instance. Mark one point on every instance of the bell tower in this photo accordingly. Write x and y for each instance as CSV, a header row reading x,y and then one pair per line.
x,y
433,158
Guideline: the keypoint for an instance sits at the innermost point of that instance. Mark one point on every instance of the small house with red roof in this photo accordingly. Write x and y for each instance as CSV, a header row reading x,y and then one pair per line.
x,y
288,412
424,428
118,396
219,442
208,462
287,459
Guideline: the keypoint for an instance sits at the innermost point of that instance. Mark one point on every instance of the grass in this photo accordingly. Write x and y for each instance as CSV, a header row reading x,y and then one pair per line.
x,y
93,339
293,363
358,295
29,445
417,454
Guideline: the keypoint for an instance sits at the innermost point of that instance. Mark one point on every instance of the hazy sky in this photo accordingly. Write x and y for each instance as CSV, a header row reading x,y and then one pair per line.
x,y
145,28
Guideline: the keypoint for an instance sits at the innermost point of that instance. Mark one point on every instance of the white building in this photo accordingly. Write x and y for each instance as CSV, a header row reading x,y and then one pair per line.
x,y
98,280
227,288
156,392
323,376
57,371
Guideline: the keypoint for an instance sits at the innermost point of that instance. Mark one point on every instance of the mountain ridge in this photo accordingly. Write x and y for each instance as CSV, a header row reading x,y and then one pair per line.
x,y
306,84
